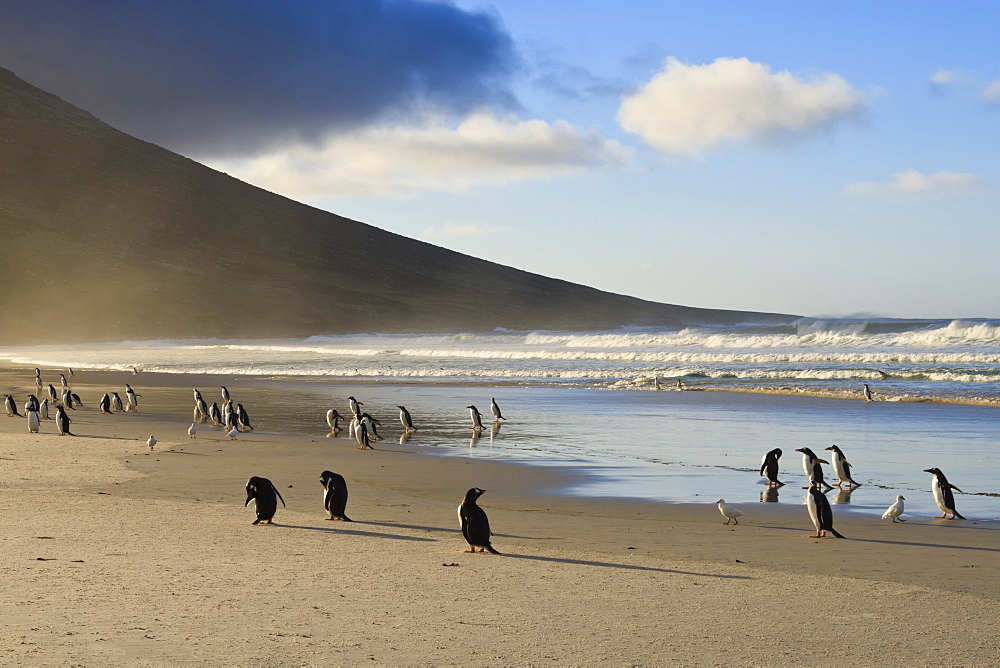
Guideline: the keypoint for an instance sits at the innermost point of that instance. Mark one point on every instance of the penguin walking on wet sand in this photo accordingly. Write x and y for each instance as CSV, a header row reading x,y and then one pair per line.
x,y
225,394
820,511
495,410
62,421
355,406
202,407
333,420
10,406
52,393
895,510
842,467
106,403
943,496
769,468
477,418
405,419
265,497
811,465
116,401
43,409
334,495
215,413
33,423
130,395
475,525
361,435
244,419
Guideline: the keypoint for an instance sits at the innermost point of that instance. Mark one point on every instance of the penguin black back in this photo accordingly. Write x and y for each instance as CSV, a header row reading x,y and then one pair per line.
x,y
335,495
265,496
475,524
824,512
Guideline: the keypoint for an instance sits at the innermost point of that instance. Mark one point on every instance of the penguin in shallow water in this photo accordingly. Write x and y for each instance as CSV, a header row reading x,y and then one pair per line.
x,y
333,420
371,423
820,512
62,421
769,467
334,495
475,525
495,410
355,406
477,418
265,497
943,496
868,393
811,466
405,419
842,467
130,395
11,406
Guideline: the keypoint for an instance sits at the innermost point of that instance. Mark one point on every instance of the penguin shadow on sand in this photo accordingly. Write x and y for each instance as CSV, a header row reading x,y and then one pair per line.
x,y
351,532
626,567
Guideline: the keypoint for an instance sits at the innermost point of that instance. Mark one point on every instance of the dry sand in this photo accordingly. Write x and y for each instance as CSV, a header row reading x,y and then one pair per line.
x,y
113,554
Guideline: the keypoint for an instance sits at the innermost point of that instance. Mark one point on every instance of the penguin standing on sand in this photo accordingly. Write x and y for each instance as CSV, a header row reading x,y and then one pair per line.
x,y
33,423
475,524
130,394
495,410
11,406
405,419
106,403
811,465
370,423
769,468
265,497
477,418
361,435
68,400
62,421
52,393
333,420
31,404
116,401
225,393
820,512
202,406
334,495
244,419
943,497
842,467
216,414
43,409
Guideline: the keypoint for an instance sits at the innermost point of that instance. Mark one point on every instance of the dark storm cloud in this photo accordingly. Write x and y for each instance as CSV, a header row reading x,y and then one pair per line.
x,y
228,76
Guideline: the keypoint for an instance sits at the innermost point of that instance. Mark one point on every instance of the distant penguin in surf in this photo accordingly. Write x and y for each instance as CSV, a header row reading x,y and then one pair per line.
x,y
62,421
842,467
475,525
811,466
405,419
495,410
729,512
333,420
943,496
820,511
106,403
11,406
868,393
477,418
769,468
116,401
895,510
33,423
334,495
265,497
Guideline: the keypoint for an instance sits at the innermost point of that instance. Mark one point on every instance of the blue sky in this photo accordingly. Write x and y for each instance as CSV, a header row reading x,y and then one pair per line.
x,y
818,158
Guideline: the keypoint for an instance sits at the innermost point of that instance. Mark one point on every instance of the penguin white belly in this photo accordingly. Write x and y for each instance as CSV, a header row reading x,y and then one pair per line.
x,y
813,511
807,467
938,495
838,467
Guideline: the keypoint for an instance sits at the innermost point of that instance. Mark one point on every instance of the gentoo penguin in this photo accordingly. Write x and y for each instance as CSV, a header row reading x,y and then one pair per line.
x,y
868,393
842,467
820,512
895,510
225,393
151,441
193,430
943,497
232,420
68,400
371,423
265,497
130,395
242,416
405,419
62,421
333,420
52,393
106,403
729,512
354,404
202,407
495,410
38,383
65,383
477,418
43,409
197,395
216,414
811,466
475,524
334,495
76,398
32,403
361,435
33,424
11,406
769,467
116,401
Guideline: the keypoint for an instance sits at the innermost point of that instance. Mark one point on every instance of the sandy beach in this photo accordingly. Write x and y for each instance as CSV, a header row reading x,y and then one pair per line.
x,y
115,554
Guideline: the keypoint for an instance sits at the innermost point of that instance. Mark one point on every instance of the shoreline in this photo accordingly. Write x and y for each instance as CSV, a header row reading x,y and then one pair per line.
x,y
152,560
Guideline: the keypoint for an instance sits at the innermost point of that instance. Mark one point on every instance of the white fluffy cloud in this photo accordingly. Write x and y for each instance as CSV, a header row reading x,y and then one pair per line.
x,y
992,92
911,184
943,77
690,109
398,160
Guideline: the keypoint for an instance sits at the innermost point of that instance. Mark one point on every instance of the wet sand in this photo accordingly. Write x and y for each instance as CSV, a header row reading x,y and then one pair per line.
x,y
117,554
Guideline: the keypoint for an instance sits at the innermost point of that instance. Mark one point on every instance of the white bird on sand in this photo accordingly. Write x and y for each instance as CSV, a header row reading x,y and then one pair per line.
x,y
151,442
729,512
895,510
193,430
232,433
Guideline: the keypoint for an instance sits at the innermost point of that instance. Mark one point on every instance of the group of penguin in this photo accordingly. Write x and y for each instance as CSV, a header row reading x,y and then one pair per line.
x,y
232,416
819,506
